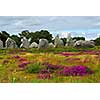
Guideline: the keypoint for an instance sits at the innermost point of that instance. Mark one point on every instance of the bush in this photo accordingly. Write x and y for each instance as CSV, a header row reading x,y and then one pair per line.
x,y
34,68
76,71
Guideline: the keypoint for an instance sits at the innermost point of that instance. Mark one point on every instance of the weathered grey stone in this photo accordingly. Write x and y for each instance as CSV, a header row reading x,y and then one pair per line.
x,y
51,45
1,44
69,41
43,43
58,42
10,43
25,42
33,45
68,35
82,43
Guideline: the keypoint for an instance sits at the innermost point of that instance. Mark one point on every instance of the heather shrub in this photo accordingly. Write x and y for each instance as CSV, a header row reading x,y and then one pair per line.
x,y
34,68
44,74
76,71
23,64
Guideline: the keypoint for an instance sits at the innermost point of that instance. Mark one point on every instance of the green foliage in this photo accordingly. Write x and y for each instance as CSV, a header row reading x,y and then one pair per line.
x,y
25,33
10,72
78,38
3,36
3,51
34,68
54,50
97,41
35,36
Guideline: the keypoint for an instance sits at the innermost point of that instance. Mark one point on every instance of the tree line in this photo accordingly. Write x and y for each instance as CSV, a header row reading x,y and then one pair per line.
x,y
35,36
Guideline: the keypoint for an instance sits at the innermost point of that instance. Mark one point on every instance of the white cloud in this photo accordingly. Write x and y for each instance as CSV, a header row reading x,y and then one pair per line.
x,y
83,33
98,23
98,35
18,23
64,35
88,26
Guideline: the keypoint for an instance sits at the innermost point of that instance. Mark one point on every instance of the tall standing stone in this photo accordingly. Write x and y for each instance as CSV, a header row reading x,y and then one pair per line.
x,y
25,42
10,43
58,42
1,44
43,43
69,41
51,45
33,45
83,43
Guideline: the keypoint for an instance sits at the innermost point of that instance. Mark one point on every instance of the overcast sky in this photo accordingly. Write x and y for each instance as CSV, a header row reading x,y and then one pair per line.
x,y
87,26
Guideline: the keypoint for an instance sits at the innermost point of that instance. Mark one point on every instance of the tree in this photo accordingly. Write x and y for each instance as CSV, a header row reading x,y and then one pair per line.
x,y
3,36
97,41
35,36
45,34
78,38
16,39
25,33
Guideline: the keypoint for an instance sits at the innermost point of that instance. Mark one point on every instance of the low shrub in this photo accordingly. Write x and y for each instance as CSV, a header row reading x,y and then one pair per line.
x,y
44,74
23,64
34,68
76,71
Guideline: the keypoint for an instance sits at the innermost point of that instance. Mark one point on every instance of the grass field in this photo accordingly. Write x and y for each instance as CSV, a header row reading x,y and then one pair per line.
x,y
53,65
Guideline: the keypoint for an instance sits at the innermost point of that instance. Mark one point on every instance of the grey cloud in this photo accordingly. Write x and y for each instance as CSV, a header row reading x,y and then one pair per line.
x,y
16,24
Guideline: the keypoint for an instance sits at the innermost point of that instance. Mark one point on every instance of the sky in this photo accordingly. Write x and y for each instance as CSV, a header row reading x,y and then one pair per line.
x,y
87,26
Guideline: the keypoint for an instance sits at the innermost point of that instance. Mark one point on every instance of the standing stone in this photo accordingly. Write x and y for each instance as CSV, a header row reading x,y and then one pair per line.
x,y
1,44
25,42
58,42
10,43
43,43
70,41
33,45
82,43
51,45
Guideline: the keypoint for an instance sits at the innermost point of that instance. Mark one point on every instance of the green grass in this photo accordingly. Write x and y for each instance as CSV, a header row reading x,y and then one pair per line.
x,y
34,68
11,73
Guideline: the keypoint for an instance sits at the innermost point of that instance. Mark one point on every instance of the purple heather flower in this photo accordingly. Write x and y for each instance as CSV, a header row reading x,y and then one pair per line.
x,y
22,59
94,52
73,59
67,54
69,71
17,57
75,71
23,64
43,71
44,76
53,67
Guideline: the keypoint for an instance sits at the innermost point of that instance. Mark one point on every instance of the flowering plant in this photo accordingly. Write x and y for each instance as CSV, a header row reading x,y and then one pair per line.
x,y
23,64
75,71
44,74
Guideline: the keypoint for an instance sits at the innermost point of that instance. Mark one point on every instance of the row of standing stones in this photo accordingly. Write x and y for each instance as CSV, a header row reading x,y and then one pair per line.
x,y
43,43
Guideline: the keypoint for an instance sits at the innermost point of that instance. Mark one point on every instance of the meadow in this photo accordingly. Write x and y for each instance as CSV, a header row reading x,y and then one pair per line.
x,y
52,65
